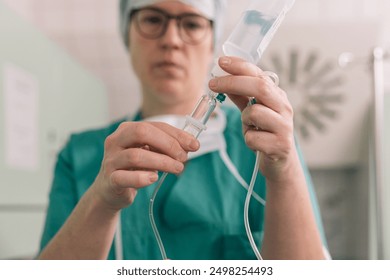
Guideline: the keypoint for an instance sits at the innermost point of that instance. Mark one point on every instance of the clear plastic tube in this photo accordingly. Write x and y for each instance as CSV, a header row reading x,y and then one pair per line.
x,y
151,217
246,207
196,122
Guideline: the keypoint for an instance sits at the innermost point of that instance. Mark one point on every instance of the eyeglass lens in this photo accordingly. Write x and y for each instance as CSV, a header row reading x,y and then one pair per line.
x,y
152,23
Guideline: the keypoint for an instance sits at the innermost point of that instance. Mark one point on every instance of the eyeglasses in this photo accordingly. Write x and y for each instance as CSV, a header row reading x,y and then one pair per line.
x,y
152,23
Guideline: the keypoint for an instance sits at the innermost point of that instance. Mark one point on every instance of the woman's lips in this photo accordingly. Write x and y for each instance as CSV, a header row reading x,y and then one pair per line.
x,y
169,67
168,64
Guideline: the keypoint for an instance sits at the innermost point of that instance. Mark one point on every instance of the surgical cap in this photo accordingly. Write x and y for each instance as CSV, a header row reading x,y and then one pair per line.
x,y
212,9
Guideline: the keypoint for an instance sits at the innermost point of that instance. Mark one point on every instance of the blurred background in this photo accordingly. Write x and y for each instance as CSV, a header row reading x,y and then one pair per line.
x,y
63,68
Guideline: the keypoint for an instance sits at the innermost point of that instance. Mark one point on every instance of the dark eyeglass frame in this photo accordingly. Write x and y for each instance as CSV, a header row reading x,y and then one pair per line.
x,y
167,17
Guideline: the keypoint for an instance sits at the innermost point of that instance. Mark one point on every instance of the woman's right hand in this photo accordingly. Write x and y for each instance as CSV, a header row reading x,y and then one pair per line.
x,y
132,156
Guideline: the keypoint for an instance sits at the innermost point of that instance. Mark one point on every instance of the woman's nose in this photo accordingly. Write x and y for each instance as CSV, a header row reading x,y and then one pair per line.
x,y
172,34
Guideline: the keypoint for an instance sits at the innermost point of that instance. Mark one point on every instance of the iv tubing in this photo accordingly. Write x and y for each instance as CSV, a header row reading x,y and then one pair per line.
x,y
151,217
246,207
229,164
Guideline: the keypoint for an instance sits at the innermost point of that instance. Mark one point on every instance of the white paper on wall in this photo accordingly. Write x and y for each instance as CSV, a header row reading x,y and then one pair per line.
x,y
21,93
330,102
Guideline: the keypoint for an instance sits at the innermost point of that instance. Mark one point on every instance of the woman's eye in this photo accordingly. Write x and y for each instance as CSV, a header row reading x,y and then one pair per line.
x,y
191,25
153,20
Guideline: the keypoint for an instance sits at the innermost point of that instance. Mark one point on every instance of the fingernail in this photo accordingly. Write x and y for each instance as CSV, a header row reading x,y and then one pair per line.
x,y
179,166
153,177
182,156
194,144
213,83
225,61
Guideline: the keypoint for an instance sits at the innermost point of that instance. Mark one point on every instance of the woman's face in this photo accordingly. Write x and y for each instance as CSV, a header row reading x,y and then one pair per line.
x,y
171,71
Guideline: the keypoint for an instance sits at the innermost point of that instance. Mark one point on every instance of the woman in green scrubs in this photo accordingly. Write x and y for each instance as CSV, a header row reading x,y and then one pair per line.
x,y
104,178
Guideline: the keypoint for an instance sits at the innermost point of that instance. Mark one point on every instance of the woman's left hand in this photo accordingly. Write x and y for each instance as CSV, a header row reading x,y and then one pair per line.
x,y
267,124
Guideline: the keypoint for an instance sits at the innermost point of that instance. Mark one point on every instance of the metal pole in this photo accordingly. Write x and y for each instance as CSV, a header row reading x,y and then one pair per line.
x,y
378,55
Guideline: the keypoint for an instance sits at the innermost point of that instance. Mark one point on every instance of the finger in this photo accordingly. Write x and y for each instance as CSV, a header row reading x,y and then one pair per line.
x,y
263,90
263,118
186,140
238,66
269,144
136,158
132,179
157,136
240,101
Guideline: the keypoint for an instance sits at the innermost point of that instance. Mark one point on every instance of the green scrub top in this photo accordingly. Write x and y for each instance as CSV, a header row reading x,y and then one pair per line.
x,y
199,213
